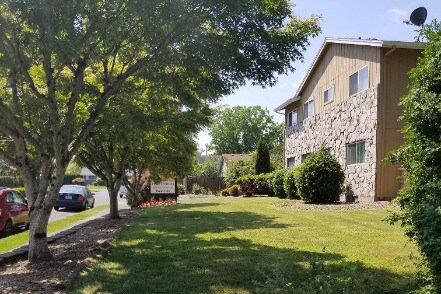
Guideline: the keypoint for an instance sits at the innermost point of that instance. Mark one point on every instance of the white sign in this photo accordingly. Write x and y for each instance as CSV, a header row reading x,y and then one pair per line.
x,y
164,187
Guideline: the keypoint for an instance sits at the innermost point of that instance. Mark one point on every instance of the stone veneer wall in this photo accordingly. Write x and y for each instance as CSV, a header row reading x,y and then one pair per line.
x,y
352,120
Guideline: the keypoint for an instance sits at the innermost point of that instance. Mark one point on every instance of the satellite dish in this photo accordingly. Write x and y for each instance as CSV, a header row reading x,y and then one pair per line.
x,y
418,16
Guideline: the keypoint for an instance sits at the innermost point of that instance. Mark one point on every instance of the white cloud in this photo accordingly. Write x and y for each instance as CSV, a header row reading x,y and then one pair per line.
x,y
398,12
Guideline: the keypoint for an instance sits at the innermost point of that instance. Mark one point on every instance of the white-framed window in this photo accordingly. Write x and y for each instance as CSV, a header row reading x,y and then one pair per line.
x,y
308,109
290,161
359,81
292,118
355,153
328,95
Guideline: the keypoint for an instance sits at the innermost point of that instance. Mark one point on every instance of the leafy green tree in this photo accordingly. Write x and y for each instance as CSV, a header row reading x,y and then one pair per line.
x,y
141,136
237,169
238,129
420,200
209,168
69,59
263,162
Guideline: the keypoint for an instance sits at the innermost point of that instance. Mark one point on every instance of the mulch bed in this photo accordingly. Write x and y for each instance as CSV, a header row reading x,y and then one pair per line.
x,y
72,254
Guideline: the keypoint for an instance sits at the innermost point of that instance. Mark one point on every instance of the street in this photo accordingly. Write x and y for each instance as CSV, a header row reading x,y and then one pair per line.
x,y
101,198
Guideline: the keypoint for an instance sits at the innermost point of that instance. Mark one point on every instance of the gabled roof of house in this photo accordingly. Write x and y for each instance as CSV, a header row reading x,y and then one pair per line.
x,y
360,42
86,172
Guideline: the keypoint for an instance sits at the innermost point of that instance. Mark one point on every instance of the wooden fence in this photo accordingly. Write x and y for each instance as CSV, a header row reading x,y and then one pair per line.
x,y
213,184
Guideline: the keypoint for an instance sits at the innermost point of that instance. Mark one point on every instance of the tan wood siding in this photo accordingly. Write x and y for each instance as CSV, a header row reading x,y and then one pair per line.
x,y
338,62
396,66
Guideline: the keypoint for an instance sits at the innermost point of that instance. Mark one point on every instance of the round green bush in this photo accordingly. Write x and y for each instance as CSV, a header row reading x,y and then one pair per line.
x,y
289,184
276,183
320,178
234,190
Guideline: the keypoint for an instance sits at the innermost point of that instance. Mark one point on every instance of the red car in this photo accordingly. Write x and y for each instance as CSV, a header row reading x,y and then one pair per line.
x,y
14,211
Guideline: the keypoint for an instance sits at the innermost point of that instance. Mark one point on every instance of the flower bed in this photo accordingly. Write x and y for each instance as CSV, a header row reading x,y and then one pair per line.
x,y
166,202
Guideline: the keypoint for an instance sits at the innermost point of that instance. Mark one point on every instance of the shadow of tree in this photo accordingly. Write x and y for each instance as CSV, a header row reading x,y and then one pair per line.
x,y
176,250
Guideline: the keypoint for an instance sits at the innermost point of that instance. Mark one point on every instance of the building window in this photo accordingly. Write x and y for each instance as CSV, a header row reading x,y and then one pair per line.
x,y
292,118
308,109
290,161
359,81
329,95
304,156
355,153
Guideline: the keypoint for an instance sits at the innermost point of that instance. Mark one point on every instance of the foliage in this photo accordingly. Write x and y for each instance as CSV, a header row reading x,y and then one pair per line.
x,y
276,183
238,129
10,181
277,149
289,183
209,168
255,185
320,178
263,162
224,192
199,190
70,61
234,190
73,168
99,182
420,155
237,169
181,189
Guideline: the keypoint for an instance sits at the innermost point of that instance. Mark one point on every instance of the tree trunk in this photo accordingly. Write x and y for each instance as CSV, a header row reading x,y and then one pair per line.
x,y
113,194
38,246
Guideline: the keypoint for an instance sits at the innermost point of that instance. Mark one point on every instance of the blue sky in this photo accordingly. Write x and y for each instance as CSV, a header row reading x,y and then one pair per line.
x,y
381,19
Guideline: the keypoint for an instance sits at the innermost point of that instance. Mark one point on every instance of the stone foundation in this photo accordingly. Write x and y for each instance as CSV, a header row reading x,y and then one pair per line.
x,y
350,121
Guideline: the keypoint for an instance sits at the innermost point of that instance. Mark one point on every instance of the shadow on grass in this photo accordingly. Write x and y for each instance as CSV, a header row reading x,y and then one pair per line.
x,y
175,250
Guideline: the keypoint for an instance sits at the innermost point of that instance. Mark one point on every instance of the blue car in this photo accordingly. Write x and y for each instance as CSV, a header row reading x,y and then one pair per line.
x,y
75,197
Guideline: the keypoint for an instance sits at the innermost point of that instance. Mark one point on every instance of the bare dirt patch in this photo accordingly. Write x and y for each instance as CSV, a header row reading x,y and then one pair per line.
x,y
71,255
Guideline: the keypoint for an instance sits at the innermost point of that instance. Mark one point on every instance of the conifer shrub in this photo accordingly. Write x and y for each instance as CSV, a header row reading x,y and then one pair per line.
x,y
320,178
276,183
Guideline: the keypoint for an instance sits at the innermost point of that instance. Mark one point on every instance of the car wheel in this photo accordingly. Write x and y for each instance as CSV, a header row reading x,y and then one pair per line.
x,y
93,204
84,207
56,208
7,230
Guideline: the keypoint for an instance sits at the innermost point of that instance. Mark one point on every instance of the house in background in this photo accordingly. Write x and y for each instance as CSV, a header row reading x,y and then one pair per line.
x,y
348,102
88,176
227,158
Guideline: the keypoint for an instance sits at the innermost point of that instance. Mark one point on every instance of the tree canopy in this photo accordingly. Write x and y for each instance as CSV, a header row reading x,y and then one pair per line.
x,y
62,62
238,129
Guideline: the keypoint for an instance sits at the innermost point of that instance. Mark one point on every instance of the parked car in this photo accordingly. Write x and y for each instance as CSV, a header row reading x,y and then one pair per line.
x,y
14,211
122,191
75,196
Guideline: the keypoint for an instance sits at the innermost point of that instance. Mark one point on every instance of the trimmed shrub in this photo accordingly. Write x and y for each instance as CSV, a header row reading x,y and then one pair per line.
x,y
224,192
234,190
320,178
198,190
276,183
263,185
247,184
237,169
289,184
79,181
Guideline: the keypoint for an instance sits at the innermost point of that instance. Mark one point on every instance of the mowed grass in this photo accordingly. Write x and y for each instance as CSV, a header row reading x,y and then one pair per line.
x,y
22,238
236,245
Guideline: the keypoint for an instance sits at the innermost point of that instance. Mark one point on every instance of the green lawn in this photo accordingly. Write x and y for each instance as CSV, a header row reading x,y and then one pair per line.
x,y
96,188
246,245
22,238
